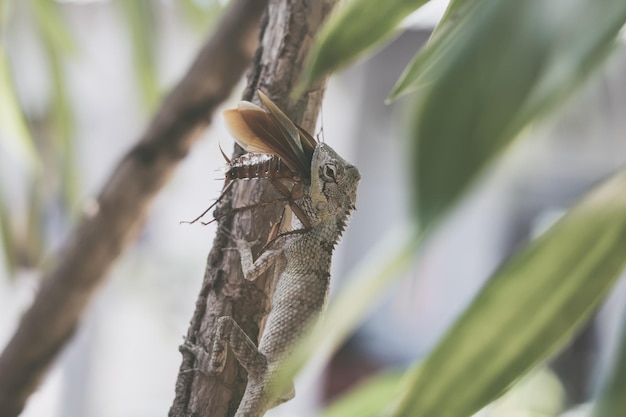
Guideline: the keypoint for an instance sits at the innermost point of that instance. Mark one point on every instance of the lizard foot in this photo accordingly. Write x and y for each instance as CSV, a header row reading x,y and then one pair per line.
x,y
204,362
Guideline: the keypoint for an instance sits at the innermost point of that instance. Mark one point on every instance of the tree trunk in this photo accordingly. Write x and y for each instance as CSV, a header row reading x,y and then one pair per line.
x,y
287,32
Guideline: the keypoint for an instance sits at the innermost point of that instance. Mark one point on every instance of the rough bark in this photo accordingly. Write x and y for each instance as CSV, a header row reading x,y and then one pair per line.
x,y
123,203
287,33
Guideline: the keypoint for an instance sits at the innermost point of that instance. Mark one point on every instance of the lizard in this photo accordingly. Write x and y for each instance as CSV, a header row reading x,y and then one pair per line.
x,y
302,260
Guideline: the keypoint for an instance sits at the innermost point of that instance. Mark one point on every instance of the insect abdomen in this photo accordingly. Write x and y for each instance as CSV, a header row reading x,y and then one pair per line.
x,y
250,166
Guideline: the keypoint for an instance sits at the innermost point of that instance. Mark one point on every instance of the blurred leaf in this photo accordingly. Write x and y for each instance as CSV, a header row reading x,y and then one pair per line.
x,y
63,127
7,234
140,17
501,66
57,47
573,32
200,13
531,306
611,401
355,28
53,29
538,394
14,134
368,399
4,11
582,410
31,252
392,255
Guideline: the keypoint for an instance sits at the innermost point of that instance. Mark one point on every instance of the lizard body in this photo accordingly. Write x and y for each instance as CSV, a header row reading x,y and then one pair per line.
x,y
302,261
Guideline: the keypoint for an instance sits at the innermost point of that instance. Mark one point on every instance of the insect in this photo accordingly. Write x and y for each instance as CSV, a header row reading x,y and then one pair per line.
x,y
277,149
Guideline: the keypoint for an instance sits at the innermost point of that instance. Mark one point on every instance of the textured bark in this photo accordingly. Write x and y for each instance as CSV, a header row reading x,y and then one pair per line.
x,y
286,35
123,203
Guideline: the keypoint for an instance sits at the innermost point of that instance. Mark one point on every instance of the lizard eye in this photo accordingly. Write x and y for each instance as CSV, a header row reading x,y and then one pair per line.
x,y
328,173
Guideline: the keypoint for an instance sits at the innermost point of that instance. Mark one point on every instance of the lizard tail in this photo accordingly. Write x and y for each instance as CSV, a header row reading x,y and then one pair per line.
x,y
254,401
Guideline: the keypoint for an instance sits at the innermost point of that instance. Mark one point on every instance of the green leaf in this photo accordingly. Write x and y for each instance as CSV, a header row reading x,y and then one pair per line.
x,y
8,237
368,399
200,14
503,65
63,128
538,394
14,134
355,28
530,307
140,17
58,43
611,401
392,255
51,26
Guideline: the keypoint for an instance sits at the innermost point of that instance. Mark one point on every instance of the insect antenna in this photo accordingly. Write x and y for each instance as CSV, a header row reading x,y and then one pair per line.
x,y
226,188
320,134
241,209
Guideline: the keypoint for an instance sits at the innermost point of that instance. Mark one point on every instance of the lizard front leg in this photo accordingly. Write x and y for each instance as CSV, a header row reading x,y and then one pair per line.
x,y
253,269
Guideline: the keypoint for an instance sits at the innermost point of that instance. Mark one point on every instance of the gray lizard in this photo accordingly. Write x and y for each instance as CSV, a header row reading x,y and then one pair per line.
x,y
302,261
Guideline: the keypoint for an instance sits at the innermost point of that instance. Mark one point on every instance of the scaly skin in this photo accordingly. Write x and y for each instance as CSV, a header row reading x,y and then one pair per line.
x,y
303,262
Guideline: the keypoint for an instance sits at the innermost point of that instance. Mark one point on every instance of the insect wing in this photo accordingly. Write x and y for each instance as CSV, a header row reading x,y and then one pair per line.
x,y
303,144
289,129
242,132
308,143
257,131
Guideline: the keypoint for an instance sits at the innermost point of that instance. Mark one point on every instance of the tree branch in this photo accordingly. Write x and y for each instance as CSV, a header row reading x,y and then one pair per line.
x,y
123,203
287,33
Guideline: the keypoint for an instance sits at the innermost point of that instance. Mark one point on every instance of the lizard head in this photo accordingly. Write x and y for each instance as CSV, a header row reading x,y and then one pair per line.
x,y
333,184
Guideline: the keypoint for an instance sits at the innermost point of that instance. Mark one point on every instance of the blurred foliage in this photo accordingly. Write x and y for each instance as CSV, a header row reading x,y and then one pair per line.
x,y
42,145
58,44
541,58
200,13
532,305
611,399
539,394
490,69
15,138
141,20
370,398
357,26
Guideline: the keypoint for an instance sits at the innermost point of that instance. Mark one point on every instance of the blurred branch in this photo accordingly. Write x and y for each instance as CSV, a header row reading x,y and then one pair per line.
x,y
286,35
123,203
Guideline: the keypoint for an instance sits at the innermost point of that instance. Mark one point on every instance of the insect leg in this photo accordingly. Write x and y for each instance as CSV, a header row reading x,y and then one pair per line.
x,y
226,188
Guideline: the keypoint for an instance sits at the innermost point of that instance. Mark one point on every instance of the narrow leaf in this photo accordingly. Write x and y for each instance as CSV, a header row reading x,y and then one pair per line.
x,y
476,25
503,66
368,399
200,14
538,394
528,309
8,237
140,17
14,134
354,29
51,26
611,400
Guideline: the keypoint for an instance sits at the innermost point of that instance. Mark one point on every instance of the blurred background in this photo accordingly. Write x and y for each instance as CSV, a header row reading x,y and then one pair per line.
x,y
78,82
